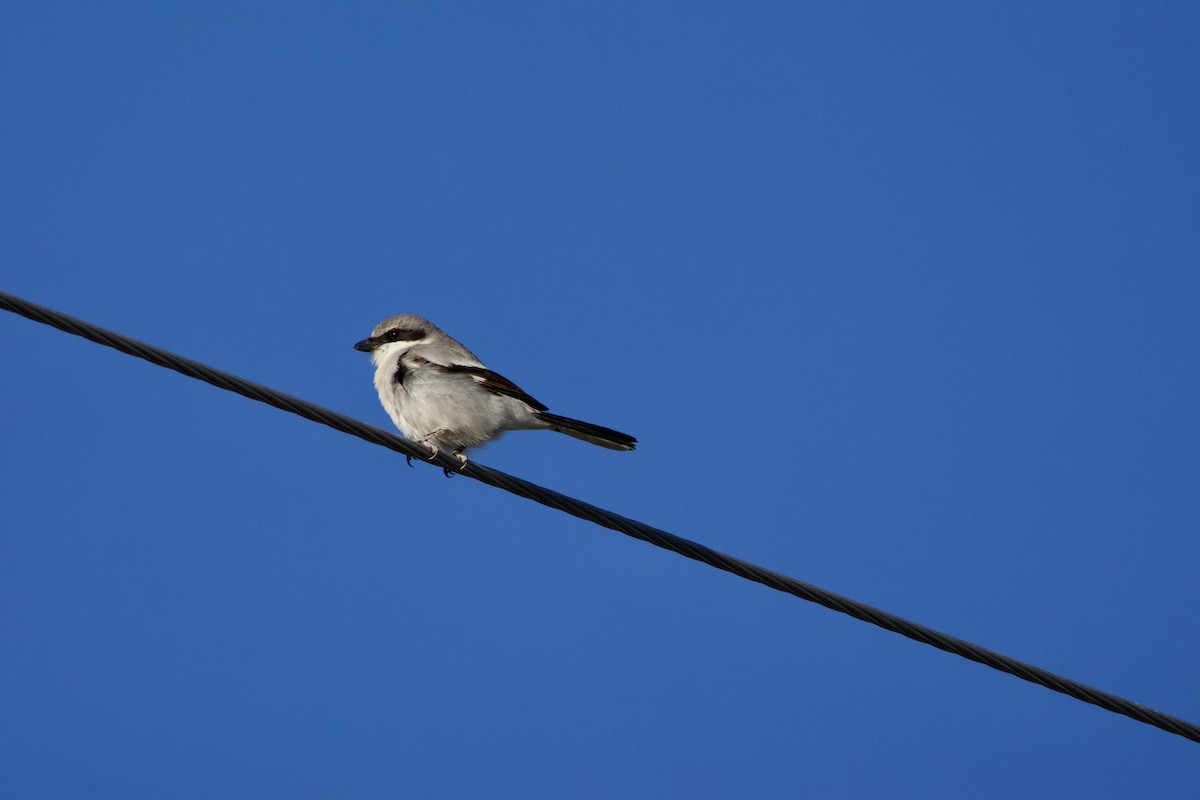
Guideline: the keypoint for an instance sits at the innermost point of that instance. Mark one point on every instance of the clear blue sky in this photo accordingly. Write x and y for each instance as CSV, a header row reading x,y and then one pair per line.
x,y
904,302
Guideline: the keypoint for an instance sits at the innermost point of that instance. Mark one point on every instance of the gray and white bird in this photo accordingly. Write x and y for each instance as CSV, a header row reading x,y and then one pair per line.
x,y
439,393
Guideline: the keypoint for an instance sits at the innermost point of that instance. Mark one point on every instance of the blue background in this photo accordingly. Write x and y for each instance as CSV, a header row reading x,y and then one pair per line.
x,y
904,302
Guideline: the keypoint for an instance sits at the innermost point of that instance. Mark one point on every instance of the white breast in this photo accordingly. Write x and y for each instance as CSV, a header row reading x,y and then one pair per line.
x,y
428,400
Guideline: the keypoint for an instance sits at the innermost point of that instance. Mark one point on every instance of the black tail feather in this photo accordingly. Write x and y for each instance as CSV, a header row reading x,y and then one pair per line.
x,y
596,434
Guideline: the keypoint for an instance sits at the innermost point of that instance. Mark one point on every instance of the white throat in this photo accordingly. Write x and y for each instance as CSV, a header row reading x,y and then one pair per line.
x,y
390,351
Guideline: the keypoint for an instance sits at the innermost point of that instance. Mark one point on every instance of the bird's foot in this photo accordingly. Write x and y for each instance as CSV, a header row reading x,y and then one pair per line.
x,y
462,462
457,452
425,441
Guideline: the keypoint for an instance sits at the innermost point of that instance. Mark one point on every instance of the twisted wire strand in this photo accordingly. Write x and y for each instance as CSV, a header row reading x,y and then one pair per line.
x,y
606,519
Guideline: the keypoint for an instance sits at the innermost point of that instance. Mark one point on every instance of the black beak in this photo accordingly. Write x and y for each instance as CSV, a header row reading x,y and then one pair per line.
x,y
366,345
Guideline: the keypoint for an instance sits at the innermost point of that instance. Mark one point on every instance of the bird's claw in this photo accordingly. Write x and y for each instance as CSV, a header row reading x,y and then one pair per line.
x,y
457,452
462,463
425,441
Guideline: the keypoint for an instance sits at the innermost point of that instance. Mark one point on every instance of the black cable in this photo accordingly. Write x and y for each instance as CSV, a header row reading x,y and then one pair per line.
x,y
607,519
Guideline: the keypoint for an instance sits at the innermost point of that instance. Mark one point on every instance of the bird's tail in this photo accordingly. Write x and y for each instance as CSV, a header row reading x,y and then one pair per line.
x,y
596,434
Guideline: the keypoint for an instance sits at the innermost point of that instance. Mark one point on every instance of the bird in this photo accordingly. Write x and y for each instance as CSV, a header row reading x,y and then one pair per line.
x,y
438,393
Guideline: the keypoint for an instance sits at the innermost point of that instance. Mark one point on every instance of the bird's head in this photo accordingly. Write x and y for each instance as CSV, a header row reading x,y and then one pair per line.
x,y
396,335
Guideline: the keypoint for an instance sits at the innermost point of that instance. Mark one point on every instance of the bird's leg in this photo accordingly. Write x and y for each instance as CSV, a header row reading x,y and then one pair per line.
x,y
457,453
425,440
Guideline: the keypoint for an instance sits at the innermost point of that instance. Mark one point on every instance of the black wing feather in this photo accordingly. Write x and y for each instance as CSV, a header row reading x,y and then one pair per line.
x,y
493,382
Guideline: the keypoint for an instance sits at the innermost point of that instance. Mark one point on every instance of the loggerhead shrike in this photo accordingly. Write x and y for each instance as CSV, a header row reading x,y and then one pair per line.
x,y
439,393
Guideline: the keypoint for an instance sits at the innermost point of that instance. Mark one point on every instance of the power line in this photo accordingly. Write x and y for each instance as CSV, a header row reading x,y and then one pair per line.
x,y
607,519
